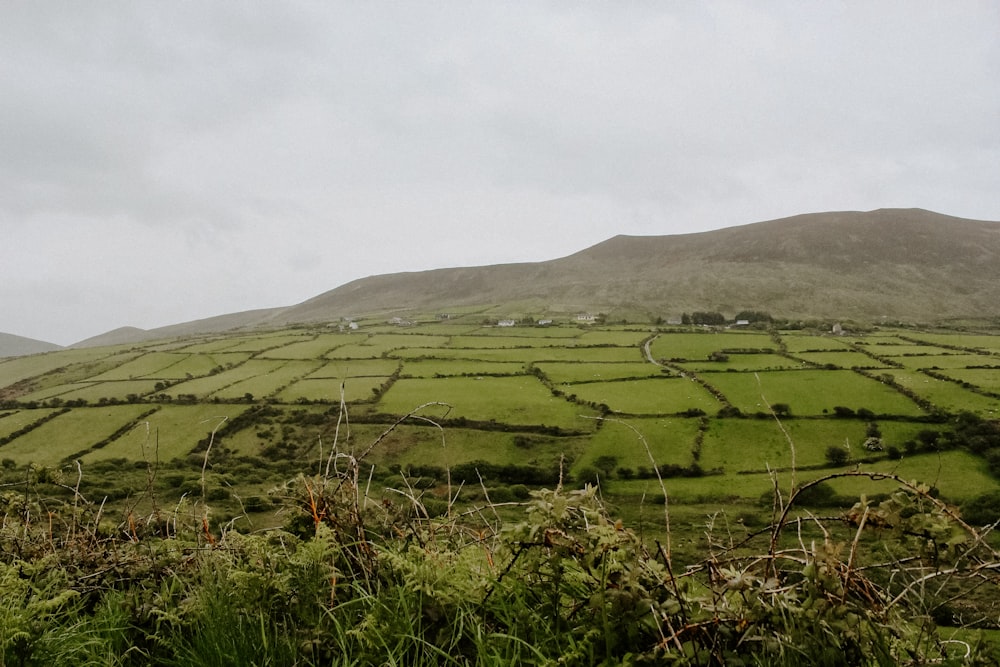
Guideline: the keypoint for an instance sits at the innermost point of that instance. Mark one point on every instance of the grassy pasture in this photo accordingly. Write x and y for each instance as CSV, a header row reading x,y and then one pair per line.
x,y
172,433
568,373
744,362
615,338
266,384
526,332
208,385
526,355
957,474
984,378
741,445
214,345
691,346
69,434
427,368
670,441
262,342
805,343
842,359
424,445
952,360
346,368
327,390
904,350
521,400
714,491
146,365
96,363
447,328
18,419
655,396
15,369
55,392
947,395
197,365
384,342
436,368
309,349
112,390
968,341
812,392
355,351
502,342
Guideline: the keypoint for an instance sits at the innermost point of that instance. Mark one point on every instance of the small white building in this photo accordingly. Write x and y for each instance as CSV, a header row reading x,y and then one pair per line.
x,y
506,323
585,317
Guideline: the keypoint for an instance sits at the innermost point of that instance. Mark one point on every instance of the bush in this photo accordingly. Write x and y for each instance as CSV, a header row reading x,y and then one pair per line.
x,y
982,510
836,455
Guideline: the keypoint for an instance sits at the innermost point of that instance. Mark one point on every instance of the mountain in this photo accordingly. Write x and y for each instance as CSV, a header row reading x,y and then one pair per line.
x,y
16,346
906,264
903,264
218,324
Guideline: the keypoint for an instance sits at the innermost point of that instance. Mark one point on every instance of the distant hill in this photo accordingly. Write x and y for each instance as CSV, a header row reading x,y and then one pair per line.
x,y
220,323
909,264
17,346
905,264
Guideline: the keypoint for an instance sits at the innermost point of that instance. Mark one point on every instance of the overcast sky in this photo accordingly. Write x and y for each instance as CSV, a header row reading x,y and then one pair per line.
x,y
162,162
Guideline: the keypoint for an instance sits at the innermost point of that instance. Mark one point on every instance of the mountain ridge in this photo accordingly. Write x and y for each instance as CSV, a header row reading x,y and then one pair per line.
x,y
909,264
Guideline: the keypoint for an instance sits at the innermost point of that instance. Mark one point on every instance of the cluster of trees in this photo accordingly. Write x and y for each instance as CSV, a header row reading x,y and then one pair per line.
x,y
713,318
699,317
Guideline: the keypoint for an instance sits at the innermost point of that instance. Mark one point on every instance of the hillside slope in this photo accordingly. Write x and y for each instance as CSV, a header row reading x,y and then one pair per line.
x,y
899,263
16,346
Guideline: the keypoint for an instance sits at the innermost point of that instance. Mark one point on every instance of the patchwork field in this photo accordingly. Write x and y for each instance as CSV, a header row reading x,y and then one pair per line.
x,y
513,401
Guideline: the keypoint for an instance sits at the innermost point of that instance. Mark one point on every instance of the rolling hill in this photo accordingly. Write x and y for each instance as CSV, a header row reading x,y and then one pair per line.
x,y
16,346
905,264
908,264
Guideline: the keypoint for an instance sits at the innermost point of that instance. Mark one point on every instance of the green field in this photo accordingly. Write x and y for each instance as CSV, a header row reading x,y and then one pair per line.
x,y
811,392
428,368
269,382
314,348
903,350
525,355
802,343
690,346
499,410
966,341
744,362
846,359
951,360
169,433
571,372
70,434
987,379
340,369
327,390
486,458
946,395
654,396
643,443
519,400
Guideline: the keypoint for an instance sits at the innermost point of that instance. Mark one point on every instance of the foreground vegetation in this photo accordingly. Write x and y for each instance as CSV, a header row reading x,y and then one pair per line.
x,y
460,493
351,579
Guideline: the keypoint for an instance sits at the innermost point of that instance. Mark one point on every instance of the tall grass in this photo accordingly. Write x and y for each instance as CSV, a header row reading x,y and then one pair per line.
x,y
352,578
